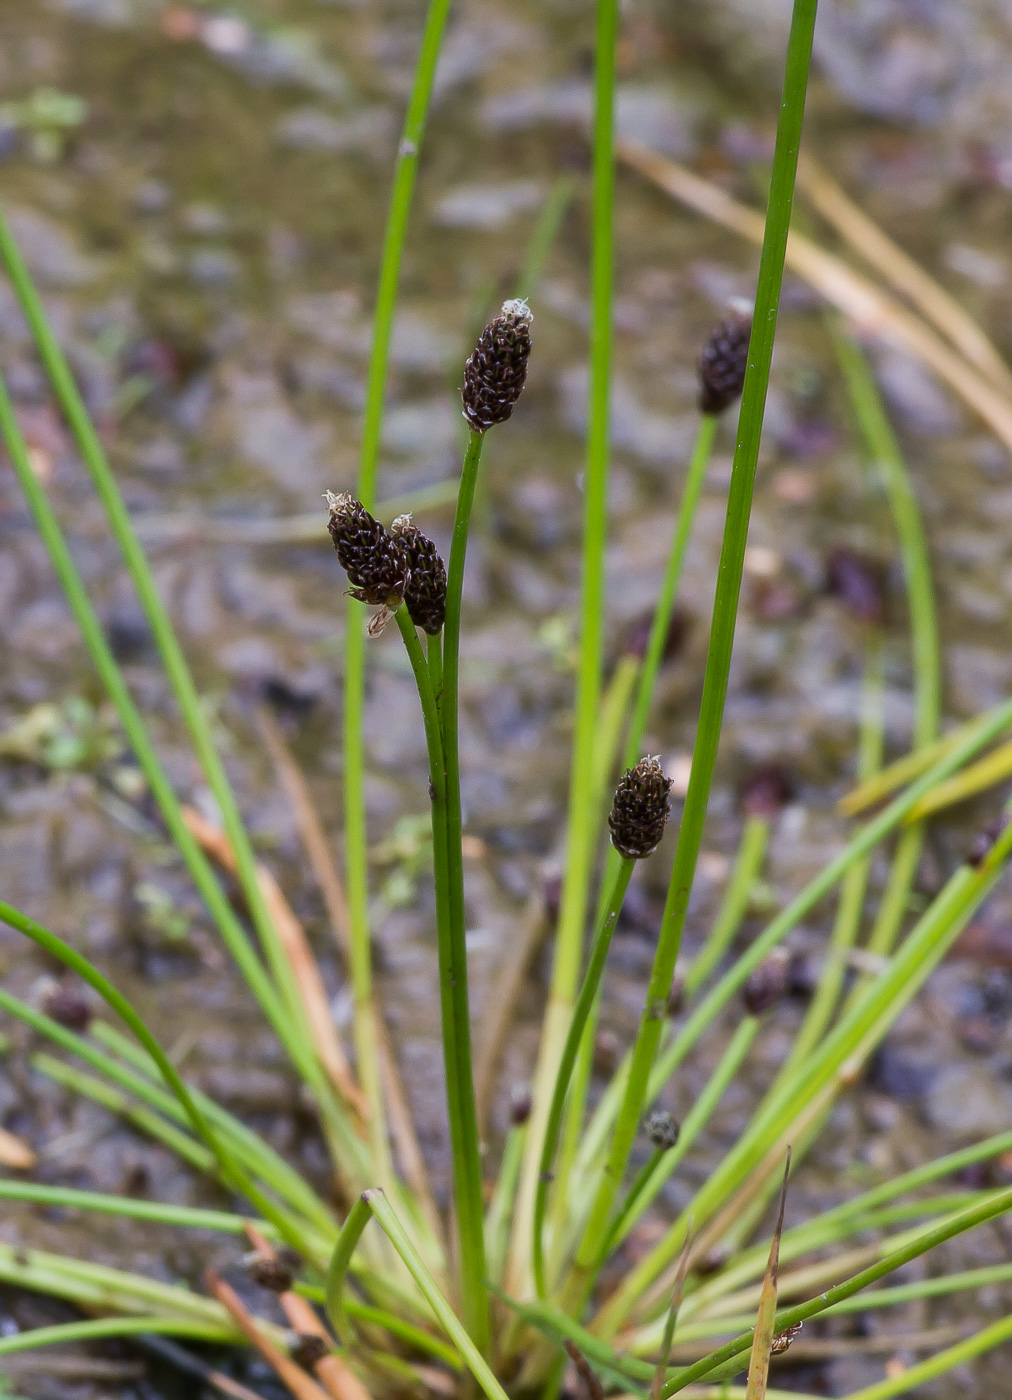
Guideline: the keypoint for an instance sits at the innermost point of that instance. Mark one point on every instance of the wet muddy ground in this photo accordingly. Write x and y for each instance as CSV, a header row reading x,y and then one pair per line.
x,y
204,222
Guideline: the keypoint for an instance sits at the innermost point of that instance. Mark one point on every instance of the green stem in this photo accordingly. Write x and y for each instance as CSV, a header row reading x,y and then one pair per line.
x,y
355,840
584,1004
158,1212
453,957
375,1203
984,729
582,824
824,1073
105,1327
452,981
725,610
340,1262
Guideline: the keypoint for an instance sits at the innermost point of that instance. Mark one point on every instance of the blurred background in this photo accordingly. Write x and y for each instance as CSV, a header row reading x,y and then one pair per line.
x,y
201,193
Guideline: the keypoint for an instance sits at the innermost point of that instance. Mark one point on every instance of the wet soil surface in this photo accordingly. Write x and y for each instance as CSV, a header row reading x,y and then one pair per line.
x,y
205,224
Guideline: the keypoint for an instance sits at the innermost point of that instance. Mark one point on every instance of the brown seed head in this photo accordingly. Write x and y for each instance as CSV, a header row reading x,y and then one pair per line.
x,y
307,1349
859,582
768,984
425,594
722,363
494,375
766,792
521,1103
662,1129
67,1006
373,562
640,810
271,1272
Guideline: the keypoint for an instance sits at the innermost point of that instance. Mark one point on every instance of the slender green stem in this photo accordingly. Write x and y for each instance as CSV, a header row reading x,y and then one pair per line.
x,y
375,1203
500,1208
969,1219
99,1328
453,993
855,882
453,957
582,825
355,842
189,1217
721,635
882,447
585,1002
664,608
340,1262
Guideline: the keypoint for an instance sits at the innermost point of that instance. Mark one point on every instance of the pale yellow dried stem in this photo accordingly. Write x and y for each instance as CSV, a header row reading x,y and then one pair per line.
x,y
305,968
302,1386
871,309
897,267
328,880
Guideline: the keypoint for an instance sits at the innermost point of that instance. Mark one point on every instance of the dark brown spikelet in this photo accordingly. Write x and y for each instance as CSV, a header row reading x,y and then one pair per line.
x,y
495,373
270,1272
307,1349
640,810
67,1005
374,563
425,594
722,363
662,1129
769,984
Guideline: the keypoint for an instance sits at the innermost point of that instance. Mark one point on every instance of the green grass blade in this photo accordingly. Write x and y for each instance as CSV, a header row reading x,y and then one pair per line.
x,y
355,842
231,1171
163,633
721,635
582,809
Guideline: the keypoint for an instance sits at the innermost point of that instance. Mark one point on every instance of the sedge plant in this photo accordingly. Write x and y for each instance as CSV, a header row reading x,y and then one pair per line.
x,y
381,1294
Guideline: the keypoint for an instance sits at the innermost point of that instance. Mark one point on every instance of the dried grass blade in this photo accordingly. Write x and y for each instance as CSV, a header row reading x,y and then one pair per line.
x,y
301,958
657,1385
302,1386
328,880
339,1381
873,310
877,248
762,1342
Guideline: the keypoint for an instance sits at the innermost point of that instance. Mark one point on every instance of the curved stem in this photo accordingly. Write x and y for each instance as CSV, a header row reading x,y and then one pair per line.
x,y
231,1172
585,1002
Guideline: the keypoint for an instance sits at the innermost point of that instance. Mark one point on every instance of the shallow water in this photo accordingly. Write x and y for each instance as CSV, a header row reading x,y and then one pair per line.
x,y
207,243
